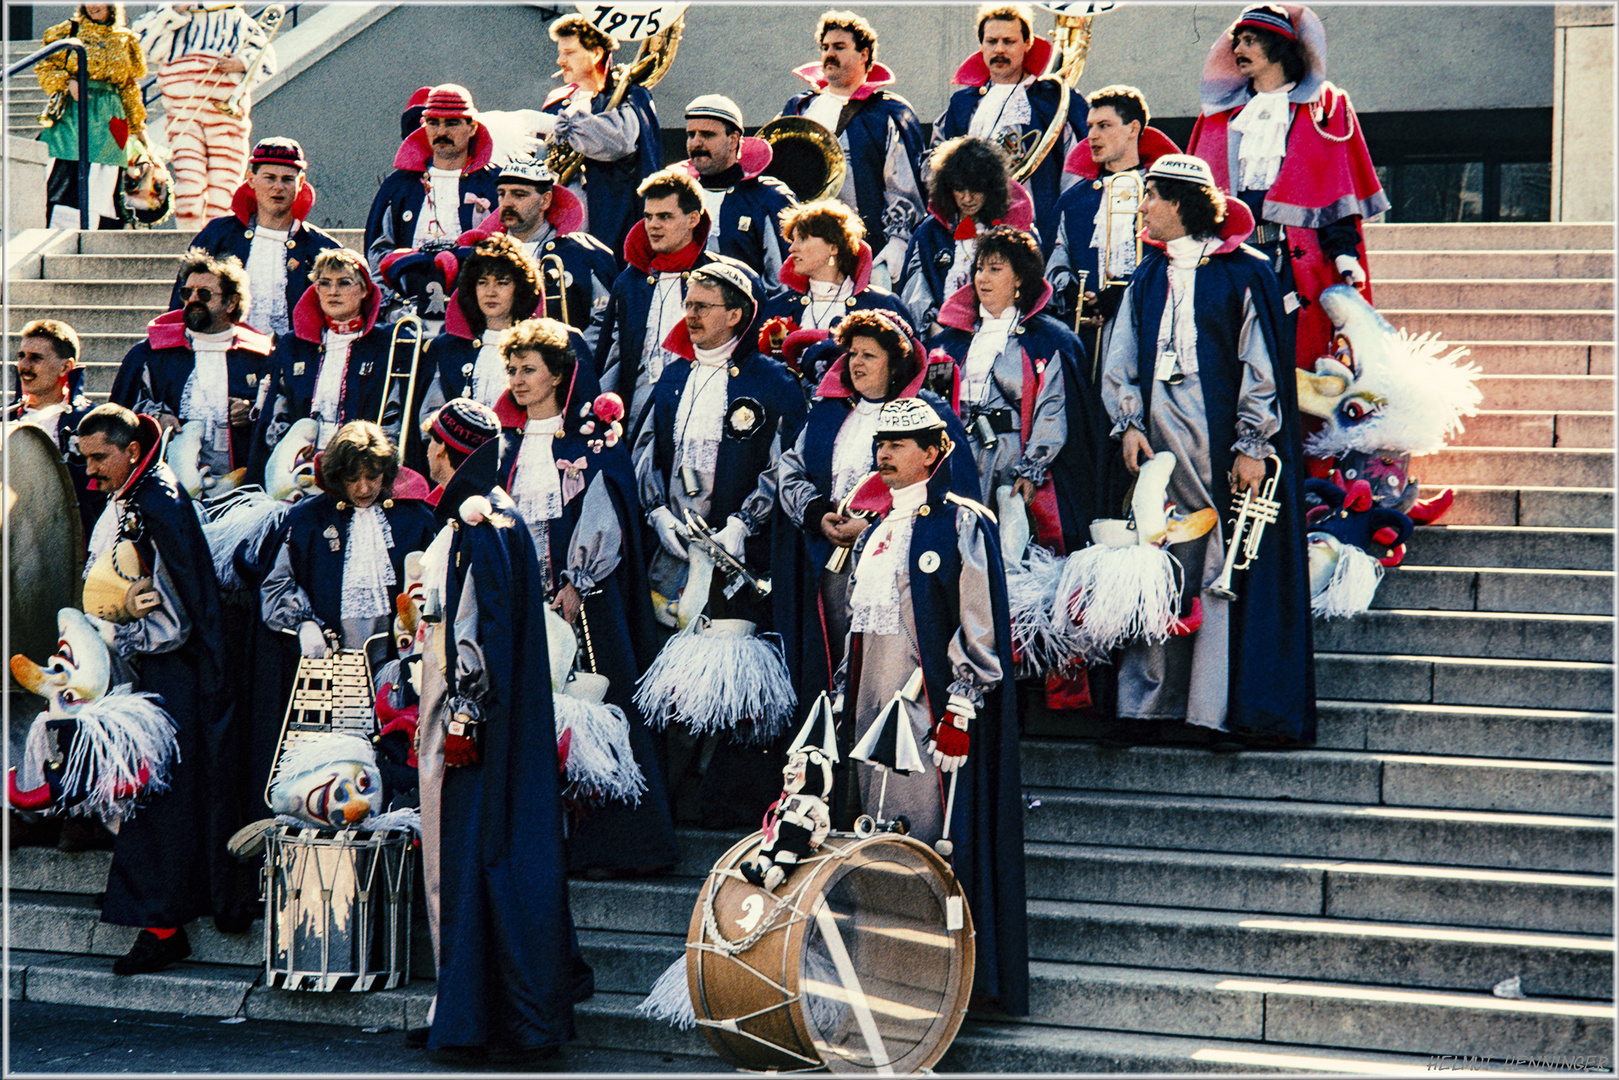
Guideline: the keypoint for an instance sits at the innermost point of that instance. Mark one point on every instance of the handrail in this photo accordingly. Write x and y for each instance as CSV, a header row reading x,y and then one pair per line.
x,y
82,76
149,91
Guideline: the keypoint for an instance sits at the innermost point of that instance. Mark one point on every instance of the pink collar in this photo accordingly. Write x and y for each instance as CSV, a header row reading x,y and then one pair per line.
x,y
862,272
244,204
416,152
755,158
878,77
168,331
1152,145
832,382
309,322
960,312
974,72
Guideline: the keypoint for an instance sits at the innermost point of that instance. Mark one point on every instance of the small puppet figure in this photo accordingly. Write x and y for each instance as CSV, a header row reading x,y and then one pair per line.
x,y
796,823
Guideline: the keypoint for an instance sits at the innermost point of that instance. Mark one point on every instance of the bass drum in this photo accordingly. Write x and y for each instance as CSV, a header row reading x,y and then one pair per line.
x,y
860,962
41,511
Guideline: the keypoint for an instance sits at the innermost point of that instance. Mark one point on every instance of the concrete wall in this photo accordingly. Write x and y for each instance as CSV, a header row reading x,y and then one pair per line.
x,y
1392,58
1582,136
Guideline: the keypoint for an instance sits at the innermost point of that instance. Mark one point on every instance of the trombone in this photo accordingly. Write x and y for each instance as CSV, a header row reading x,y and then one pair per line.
x,y
270,21
1135,188
409,318
551,262
1254,512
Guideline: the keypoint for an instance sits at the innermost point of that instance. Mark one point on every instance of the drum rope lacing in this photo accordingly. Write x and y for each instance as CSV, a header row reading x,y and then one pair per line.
x,y
728,947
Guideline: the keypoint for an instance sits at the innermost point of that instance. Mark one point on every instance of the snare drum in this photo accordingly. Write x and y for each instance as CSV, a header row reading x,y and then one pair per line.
x,y
337,909
860,962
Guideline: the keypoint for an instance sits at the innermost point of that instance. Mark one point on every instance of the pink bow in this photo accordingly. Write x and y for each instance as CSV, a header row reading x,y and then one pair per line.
x,y
481,203
573,477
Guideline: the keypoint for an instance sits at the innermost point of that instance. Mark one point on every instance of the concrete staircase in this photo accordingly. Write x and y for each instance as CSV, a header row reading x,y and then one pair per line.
x,y
1346,908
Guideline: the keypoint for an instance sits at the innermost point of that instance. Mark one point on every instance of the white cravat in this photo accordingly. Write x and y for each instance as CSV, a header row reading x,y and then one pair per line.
x,y
327,404
1178,327
441,211
489,371
1263,123
105,534
536,483
206,395
700,419
1004,105
367,568
851,449
47,418
667,308
826,304
874,601
267,271
987,345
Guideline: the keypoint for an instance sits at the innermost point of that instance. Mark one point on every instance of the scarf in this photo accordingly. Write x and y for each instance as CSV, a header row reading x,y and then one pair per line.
x,y
989,341
267,269
851,449
367,568
700,419
1263,124
536,484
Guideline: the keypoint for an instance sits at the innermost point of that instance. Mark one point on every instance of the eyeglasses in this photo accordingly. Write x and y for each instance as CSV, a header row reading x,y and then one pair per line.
x,y
699,306
203,295
340,283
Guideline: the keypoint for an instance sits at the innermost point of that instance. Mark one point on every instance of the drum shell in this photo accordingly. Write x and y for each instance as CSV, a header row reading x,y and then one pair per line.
x,y
41,509
337,909
722,990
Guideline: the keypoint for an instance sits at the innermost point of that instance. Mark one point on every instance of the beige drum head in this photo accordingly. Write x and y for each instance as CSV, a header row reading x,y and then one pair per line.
x,y
864,963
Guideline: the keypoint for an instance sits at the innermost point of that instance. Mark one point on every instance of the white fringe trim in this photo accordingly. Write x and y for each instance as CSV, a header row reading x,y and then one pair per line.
x,y
117,734
1113,596
247,515
1044,638
1354,582
600,760
711,681
670,998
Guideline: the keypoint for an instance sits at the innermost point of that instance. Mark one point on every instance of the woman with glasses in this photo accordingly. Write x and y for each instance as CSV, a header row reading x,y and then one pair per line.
x,y
334,364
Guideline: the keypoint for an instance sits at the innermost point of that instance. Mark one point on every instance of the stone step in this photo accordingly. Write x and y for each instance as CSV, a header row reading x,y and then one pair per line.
x,y
1571,429
1540,357
1504,841
1312,1012
1278,885
128,319
1439,680
26,128
148,293
1508,265
144,267
1410,955
1443,588
1573,392
1466,731
170,241
1517,465
1325,776
1525,548
1498,635
1469,293
1506,324
1495,236
1528,507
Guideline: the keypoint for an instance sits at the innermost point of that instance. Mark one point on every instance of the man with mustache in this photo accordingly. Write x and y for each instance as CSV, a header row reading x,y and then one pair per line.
x,y
266,229
442,181
1118,148
549,220
1286,142
622,146
744,204
1000,101
879,132
50,395
202,362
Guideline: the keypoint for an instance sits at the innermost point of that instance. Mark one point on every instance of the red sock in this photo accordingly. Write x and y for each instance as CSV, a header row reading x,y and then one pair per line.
x,y
162,934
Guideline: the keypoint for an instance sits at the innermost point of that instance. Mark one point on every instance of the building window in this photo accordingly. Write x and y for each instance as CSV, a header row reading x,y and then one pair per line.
x,y
1526,191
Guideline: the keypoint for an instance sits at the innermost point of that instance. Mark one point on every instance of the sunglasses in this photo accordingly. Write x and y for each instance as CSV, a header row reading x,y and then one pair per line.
x,y
203,295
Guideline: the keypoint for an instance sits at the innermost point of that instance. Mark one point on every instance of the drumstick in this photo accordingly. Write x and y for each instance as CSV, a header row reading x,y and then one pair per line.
x,y
944,846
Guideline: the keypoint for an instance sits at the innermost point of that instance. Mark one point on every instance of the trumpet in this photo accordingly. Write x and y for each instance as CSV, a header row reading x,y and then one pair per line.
x,y
409,318
270,21
733,567
1254,512
551,262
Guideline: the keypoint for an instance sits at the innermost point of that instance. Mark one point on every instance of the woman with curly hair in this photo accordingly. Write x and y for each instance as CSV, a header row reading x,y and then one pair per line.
x,y
971,191
826,277
1033,423
877,359
116,66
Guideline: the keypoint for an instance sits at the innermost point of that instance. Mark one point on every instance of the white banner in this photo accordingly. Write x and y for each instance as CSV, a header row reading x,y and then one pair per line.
x,y
630,22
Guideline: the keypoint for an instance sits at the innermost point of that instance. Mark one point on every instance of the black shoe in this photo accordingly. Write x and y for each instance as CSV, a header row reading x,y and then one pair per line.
x,y
84,834
1228,745
416,1038
152,953
534,1058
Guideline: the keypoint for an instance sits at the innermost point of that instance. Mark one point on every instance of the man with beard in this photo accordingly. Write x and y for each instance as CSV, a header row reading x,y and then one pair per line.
x,y
622,145
663,248
744,205
50,385
879,132
267,232
202,362
442,180
548,220
1000,101
169,863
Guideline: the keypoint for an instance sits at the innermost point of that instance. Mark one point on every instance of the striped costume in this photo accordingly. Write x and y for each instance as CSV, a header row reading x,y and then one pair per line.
x,y
209,147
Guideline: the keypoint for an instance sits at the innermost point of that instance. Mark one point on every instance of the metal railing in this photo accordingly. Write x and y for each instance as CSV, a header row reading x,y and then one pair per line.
x,y
149,90
82,77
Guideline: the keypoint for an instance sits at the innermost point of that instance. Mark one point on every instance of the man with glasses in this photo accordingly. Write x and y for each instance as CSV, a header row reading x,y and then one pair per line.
x,y
334,363
202,362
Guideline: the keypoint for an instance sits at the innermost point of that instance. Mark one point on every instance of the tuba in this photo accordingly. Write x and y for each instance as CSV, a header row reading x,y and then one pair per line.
x,y
1071,41
805,156
1254,512
650,65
